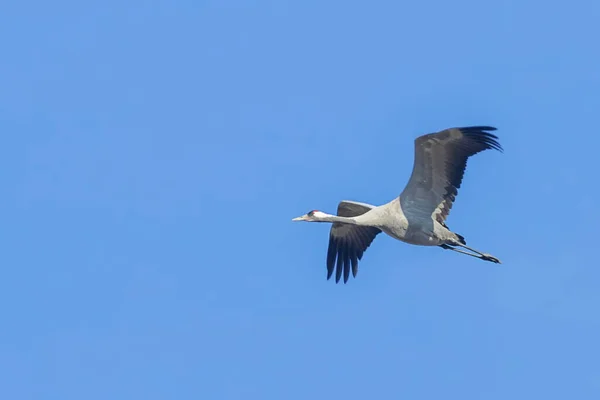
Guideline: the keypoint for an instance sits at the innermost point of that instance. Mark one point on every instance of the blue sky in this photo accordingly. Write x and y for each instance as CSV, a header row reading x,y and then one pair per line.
x,y
154,153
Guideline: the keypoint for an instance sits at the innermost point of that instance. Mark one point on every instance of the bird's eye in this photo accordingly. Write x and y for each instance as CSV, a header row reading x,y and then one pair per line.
x,y
310,214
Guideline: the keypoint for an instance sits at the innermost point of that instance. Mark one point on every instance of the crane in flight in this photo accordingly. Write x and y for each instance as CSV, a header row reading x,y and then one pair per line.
x,y
417,216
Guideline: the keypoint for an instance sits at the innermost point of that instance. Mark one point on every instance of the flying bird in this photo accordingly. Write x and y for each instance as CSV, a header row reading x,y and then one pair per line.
x,y
417,216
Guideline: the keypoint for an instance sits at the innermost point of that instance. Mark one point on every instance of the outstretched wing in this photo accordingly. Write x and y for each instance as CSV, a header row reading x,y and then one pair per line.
x,y
347,243
439,166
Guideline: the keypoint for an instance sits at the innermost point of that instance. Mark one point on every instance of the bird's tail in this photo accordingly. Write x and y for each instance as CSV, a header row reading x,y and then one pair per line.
x,y
460,238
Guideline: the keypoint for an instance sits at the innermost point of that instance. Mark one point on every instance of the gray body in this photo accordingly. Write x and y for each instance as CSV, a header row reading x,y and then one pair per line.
x,y
417,216
411,228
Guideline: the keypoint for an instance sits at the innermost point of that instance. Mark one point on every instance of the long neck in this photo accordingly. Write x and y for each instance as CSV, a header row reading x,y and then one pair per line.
x,y
343,220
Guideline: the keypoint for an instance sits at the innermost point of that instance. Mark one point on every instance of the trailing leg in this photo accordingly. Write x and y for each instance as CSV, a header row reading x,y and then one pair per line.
x,y
475,253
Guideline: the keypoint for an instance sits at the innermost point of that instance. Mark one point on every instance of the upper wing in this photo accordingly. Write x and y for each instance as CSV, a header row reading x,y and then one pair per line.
x,y
348,242
439,166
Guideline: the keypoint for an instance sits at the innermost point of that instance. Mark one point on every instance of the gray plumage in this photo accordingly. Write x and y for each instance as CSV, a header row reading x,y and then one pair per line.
x,y
417,216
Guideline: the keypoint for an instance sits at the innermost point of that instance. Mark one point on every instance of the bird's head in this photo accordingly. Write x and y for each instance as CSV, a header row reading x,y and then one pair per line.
x,y
312,216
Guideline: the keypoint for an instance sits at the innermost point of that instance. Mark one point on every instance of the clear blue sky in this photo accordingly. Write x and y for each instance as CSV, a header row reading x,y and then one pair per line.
x,y
154,153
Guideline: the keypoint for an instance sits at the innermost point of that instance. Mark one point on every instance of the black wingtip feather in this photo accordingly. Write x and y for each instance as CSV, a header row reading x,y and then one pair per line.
x,y
339,265
479,128
346,266
479,134
329,273
331,253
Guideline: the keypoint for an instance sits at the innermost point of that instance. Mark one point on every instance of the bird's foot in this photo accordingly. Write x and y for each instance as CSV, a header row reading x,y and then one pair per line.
x,y
489,257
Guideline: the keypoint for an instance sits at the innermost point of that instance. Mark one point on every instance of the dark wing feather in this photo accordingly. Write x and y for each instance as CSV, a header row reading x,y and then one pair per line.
x,y
347,243
439,166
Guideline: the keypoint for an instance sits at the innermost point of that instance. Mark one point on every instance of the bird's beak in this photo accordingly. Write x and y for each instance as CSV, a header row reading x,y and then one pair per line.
x,y
302,218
